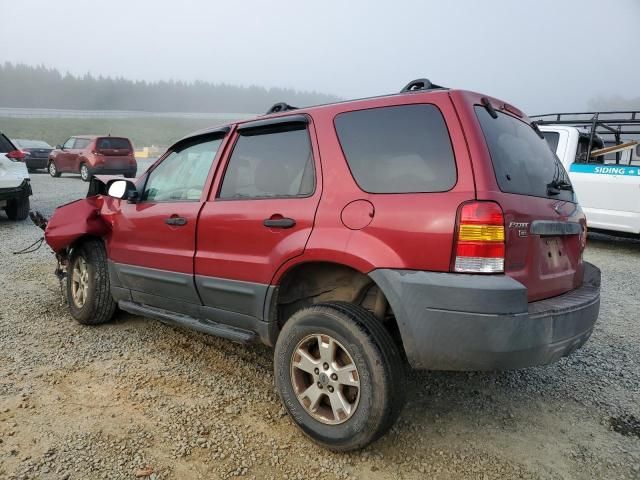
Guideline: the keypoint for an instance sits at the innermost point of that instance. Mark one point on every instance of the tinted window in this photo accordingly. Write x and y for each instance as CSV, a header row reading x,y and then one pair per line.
x,y
398,149
522,161
5,144
182,174
69,143
81,143
113,143
552,139
272,164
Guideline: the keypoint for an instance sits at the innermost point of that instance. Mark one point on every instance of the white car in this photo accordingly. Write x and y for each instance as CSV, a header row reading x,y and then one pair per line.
x,y
15,186
604,168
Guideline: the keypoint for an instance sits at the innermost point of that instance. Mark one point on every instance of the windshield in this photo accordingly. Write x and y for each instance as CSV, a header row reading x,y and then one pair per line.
x,y
522,161
31,144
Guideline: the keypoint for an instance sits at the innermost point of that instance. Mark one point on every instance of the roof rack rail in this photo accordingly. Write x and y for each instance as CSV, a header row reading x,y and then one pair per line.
x,y
280,107
611,126
419,84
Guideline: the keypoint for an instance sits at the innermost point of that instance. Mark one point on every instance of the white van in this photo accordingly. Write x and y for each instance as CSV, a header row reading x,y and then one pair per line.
x,y
603,160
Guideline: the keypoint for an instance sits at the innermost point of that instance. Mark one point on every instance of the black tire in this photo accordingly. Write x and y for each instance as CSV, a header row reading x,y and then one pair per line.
x,y
390,350
17,208
53,169
381,373
85,174
98,306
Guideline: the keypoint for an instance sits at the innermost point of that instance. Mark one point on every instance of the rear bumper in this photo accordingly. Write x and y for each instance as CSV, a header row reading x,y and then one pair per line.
x,y
105,170
473,322
35,162
23,190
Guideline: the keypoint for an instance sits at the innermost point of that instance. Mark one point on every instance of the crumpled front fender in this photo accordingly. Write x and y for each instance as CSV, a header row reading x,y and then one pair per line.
x,y
75,220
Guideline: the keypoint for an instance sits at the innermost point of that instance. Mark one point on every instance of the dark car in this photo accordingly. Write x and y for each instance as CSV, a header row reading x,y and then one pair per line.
x,y
433,227
90,155
37,152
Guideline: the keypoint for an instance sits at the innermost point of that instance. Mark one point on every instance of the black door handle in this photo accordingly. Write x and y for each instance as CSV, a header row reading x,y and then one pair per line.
x,y
279,222
177,221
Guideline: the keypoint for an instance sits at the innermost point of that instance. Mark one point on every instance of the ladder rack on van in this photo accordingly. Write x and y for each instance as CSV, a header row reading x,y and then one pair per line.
x,y
610,125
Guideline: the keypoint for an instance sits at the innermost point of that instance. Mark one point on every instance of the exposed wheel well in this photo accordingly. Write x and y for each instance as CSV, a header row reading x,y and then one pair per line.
x,y
317,282
79,241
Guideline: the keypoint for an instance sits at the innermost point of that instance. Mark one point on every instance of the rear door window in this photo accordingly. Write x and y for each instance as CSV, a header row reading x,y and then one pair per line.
x,y
270,164
399,149
522,161
81,143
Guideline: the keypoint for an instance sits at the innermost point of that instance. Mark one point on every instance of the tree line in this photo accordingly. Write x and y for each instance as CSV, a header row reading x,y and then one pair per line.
x,y
24,86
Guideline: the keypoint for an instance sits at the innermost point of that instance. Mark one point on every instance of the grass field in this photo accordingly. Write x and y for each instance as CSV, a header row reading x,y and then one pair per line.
x,y
142,131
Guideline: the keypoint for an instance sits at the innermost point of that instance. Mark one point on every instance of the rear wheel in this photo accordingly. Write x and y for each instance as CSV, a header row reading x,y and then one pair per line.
x,y
18,208
53,170
339,375
84,173
88,288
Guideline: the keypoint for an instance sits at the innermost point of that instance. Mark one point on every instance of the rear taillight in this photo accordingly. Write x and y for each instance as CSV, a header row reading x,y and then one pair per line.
x,y
16,155
479,238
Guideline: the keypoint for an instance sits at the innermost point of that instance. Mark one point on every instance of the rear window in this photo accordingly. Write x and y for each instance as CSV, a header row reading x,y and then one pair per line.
x,y
552,139
5,144
113,143
522,161
398,149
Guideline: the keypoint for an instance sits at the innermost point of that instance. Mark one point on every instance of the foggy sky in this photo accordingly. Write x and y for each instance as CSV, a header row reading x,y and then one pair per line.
x,y
540,55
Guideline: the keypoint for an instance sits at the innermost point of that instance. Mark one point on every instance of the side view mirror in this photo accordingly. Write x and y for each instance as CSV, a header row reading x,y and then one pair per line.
x,y
59,147
123,189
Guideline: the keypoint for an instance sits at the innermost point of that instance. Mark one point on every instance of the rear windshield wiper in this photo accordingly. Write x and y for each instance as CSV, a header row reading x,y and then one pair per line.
x,y
555,186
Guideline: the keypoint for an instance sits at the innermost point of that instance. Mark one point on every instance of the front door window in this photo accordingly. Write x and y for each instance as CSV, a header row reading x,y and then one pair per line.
x,y
182,174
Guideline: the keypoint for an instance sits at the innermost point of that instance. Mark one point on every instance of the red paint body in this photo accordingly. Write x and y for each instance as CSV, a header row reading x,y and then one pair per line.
x,y
96,159
226,238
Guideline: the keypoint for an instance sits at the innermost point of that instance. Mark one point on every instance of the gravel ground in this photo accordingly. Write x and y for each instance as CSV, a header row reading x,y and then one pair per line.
x,y
139,398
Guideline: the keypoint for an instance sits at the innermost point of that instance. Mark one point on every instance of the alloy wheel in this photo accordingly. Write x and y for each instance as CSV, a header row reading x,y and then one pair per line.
x,y
325,379
80,282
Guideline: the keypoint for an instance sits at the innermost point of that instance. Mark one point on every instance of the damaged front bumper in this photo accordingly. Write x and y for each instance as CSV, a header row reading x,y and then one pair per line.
x,y
21,191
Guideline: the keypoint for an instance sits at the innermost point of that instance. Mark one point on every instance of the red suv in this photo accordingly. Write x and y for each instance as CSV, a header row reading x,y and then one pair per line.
x,y
89,155
434,227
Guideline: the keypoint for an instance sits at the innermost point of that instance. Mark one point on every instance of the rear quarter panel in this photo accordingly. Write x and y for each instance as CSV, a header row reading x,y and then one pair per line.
x,y
408,230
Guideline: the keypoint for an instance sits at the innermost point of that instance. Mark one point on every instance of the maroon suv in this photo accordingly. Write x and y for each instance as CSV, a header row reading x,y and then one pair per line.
x,y
433,227
89,155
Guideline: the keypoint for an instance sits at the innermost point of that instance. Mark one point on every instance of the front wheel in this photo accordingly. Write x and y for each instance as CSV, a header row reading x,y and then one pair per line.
x,y
88,288
339,375
53,170
84,173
